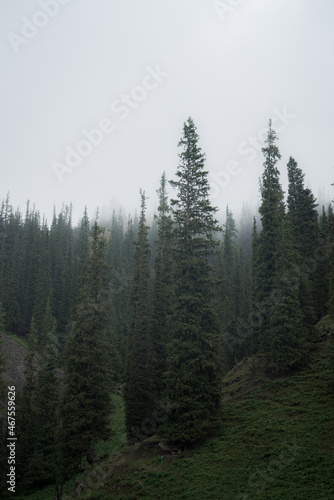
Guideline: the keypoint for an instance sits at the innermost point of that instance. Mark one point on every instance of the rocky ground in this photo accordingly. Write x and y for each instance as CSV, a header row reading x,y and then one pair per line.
x,y
15,354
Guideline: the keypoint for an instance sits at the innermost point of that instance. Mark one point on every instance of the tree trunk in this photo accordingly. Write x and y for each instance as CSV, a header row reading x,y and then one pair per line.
x,y
58,492
91,454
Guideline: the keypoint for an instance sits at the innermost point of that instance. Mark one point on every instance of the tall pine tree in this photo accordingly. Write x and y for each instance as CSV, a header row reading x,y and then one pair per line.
x,y
193,379
87,404
272,213
162,290
287,332
303,218
139,392
331,264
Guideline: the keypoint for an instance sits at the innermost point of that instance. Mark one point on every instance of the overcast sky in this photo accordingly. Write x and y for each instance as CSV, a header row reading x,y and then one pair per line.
x,y
94,94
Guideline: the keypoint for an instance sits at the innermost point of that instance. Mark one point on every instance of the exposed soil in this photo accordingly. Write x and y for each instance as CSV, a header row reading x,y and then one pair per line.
x,y
15,355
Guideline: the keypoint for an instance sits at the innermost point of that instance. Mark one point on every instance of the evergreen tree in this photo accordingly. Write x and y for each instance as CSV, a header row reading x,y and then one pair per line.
x,y
303,218
46,458
319,266
12,273
2,356
227,266
3,237
245,230
122,279
193,374
44,280
162,290
26,421
80,253
286,333
2,319
5,214
272,213
87,405
302,211
331,266
253,328
61,240
119,282
3,414
139,393
153,240
30,267
239,340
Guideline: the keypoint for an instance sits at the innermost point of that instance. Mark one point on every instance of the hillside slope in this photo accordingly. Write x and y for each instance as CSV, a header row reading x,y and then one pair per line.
x,y
275,442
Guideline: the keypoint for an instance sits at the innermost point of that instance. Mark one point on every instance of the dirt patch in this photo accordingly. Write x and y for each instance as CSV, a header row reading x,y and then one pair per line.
x,y
15,354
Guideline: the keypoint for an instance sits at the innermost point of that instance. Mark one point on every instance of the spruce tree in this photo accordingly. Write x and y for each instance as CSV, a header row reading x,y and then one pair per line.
x,y
61,240
43,299
3,449
245,230
44,401
119,284
87,404
302,211
2,323
139,391
27,425
303,218
153,240
252,330
162,290
193,379
31,248
320,265
227,267
272,212
13,274
47,450
80,253
331,264
229,257
287,332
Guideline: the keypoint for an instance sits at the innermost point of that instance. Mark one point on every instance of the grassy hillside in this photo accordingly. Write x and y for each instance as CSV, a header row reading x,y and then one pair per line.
x,y
275,441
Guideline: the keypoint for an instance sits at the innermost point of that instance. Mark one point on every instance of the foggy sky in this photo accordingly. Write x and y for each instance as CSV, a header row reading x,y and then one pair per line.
x,y
94,94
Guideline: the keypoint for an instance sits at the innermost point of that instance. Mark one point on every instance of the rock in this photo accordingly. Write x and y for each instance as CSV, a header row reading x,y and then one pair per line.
x,y
15,354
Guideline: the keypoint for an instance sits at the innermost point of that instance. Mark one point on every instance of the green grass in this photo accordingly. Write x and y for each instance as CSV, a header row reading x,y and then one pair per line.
x,y
102,448
117,423
275,442
46,493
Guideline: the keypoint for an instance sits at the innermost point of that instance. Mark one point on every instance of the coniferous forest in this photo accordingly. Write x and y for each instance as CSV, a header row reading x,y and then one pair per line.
x,y
158,315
